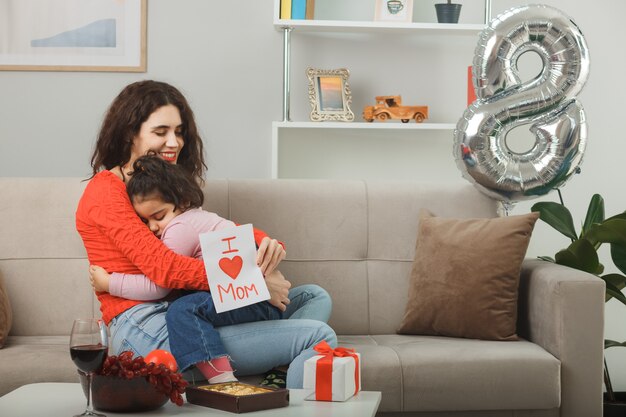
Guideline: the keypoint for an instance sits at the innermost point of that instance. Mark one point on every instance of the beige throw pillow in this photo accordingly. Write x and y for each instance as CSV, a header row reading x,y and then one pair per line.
x,y
464,280
6,317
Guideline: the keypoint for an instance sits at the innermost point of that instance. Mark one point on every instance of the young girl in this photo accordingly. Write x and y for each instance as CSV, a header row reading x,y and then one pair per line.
x,y
169,201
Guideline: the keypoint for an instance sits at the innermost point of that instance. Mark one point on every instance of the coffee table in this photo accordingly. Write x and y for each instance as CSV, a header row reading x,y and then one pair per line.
x,y
67,399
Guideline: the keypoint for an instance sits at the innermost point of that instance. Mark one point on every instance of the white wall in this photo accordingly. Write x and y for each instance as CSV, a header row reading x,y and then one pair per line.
x,y
226,57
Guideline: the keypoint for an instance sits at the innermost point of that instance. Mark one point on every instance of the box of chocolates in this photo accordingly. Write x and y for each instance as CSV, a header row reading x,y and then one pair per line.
x,y
237,397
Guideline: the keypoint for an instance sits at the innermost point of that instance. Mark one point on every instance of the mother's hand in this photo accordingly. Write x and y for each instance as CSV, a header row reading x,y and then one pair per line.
x,y
278,287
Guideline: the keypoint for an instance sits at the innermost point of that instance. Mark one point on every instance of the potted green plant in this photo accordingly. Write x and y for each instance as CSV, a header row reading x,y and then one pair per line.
x,y
582,254
448,12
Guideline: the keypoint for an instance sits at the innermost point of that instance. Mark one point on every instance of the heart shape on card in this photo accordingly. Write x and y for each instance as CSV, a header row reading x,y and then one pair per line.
x,y
231,267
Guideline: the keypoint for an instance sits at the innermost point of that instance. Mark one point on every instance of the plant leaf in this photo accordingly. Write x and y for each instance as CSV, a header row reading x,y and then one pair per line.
x,y
615,279
612,343
618,216
610,231
615,292
546,258
580,255
618,255
557,216
614,284
567,258
595,212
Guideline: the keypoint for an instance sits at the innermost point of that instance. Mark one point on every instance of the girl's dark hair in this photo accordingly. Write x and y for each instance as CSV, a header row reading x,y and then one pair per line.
x,y
123,120
152,175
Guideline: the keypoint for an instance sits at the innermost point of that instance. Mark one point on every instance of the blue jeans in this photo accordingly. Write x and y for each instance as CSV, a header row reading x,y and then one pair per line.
x,y
192,321
253,347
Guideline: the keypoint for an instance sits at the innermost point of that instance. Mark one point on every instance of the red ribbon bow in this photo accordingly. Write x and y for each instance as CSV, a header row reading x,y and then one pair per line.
x,y
324,370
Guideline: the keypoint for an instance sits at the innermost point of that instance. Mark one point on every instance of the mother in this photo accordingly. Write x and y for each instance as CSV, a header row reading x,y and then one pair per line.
x,y
151,116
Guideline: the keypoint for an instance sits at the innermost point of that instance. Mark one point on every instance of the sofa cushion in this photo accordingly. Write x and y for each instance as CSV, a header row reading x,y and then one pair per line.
x,y
381,369
6,315
62,293
465,276
435,373
31,359
391,214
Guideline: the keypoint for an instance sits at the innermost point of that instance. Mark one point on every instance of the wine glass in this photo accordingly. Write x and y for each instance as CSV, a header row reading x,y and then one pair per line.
x,y
89,343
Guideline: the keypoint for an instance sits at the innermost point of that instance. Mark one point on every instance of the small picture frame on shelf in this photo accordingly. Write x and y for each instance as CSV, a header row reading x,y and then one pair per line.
x,y
394,11
329,95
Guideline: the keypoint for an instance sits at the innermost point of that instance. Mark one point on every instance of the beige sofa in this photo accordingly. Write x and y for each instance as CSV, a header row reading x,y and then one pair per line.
x,y
356,239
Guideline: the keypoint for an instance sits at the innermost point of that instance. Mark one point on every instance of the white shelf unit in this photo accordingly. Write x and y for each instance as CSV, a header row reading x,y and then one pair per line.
x,y
345,26
364,125
348,26
388,129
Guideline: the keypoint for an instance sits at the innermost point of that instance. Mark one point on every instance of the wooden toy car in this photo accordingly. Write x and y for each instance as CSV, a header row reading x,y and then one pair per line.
x,y
390,107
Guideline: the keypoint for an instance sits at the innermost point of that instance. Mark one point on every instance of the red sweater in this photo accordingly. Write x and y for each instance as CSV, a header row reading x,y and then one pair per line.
x,y
117,240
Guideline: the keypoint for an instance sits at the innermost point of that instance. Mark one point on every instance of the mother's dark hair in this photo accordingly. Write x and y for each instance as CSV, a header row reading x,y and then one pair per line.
x,y
122,122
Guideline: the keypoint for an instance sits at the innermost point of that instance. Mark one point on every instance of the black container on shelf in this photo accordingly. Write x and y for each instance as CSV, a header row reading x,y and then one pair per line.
x,y
448,12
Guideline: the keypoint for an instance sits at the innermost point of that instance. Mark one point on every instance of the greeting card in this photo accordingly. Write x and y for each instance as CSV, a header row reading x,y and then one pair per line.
x,y
229,256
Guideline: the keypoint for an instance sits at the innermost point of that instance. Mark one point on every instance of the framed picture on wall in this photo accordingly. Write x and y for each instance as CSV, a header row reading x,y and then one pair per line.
x,y
329,94
73,35
394,10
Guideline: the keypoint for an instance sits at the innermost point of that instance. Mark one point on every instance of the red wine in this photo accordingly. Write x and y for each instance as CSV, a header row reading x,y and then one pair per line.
x,y
88,358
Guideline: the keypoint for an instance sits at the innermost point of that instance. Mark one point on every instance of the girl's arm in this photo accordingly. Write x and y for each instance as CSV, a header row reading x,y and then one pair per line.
x,y
135,287
128,286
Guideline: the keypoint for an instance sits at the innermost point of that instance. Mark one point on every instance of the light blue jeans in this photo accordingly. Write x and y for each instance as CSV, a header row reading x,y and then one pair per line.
x,y
254,348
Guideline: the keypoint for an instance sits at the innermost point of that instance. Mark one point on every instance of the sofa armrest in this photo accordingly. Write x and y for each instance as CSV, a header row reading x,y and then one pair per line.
x,y
562,310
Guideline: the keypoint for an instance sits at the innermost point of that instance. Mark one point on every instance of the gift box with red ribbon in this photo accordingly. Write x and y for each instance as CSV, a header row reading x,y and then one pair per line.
x,y
333,375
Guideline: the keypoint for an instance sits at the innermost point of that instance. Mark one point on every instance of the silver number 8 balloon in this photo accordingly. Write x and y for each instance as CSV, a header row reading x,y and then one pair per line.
x,y
546,104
